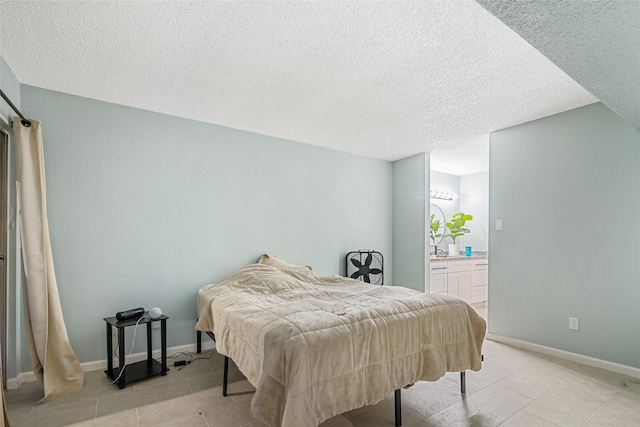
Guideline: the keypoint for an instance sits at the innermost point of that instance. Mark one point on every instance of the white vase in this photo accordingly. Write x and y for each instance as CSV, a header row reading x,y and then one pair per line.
x,y
453,249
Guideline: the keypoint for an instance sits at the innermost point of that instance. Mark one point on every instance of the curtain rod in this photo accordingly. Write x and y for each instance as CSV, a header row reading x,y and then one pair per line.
x,y
26,123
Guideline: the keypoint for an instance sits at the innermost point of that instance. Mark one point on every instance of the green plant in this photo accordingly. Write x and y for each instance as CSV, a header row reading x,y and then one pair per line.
x,y
456,225
434,227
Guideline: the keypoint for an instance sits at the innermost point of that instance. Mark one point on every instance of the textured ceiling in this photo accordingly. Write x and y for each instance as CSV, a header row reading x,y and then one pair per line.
x,y
380,79
597,43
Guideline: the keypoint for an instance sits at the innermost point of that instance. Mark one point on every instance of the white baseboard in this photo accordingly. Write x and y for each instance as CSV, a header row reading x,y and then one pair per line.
x,y
26,377
101,365
23,377
567,355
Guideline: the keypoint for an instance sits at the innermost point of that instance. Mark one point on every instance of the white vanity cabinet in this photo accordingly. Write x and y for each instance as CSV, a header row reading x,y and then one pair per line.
x,y
480,281
466,279
460,279
438,278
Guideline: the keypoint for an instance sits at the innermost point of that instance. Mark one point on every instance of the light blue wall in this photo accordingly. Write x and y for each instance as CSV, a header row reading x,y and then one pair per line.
x,y
410,214
568,190
145,208
11,88
474,200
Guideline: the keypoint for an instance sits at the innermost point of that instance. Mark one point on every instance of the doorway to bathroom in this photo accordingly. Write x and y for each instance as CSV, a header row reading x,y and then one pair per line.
x,y
457,274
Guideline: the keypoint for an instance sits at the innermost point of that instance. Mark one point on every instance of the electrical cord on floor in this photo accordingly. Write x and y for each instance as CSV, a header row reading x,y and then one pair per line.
x,y
182,363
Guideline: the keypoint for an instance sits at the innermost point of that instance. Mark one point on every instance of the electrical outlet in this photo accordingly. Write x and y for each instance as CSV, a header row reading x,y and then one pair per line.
x,y
155,325
574,325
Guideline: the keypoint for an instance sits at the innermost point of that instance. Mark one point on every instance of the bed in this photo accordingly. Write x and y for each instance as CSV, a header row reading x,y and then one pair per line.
x,y
316,346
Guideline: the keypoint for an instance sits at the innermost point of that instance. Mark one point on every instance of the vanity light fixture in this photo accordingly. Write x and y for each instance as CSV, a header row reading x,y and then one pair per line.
x,y
441,195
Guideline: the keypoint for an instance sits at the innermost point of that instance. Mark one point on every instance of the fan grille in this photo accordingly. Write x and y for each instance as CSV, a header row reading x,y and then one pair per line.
x,y
366,266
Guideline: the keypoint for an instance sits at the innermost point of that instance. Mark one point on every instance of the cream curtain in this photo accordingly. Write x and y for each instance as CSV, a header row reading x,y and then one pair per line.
x,y
52,358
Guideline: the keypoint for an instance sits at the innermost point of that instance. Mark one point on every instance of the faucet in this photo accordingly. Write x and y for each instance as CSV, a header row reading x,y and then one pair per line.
x,y
435,250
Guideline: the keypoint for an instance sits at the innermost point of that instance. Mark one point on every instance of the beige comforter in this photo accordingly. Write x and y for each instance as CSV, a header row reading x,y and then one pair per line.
x,y
317,346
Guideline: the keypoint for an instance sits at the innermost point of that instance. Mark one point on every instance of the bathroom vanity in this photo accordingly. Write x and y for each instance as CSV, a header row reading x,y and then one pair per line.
x,y
462,277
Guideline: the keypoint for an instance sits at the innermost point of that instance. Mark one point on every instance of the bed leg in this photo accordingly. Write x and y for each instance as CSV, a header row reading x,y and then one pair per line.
x,y
199,342
463,382
398,399
225,376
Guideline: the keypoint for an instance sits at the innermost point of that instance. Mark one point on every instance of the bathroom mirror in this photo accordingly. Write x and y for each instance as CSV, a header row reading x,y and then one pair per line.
x,y
436,224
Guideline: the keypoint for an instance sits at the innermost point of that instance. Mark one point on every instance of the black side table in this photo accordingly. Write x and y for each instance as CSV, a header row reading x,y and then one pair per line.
x,y
144,368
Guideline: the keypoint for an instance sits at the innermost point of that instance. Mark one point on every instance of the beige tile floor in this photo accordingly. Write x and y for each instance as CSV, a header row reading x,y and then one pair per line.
x,y
514,388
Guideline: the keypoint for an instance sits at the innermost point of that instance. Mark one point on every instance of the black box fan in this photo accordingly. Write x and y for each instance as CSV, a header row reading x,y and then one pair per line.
x,y
366,266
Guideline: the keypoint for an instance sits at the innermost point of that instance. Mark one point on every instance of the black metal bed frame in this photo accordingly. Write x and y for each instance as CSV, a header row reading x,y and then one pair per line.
x,y
397,393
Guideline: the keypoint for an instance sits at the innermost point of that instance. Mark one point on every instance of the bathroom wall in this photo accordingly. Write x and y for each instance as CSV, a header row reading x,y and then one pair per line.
x,y
472,197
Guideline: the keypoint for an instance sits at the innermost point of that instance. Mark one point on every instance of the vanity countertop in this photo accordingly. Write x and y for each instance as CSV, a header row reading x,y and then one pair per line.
x,y
459,257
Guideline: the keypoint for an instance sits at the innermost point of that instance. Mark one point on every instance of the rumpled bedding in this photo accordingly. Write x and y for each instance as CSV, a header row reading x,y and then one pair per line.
x,y
316,346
